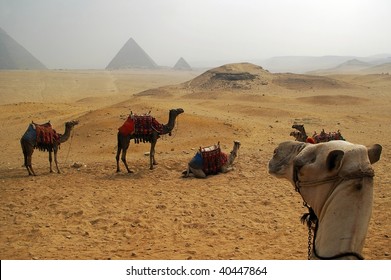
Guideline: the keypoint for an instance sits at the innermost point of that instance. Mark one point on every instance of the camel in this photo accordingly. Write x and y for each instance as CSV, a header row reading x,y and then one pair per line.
x,y
299,135
143,129
45,138
302,136
335,180
211,160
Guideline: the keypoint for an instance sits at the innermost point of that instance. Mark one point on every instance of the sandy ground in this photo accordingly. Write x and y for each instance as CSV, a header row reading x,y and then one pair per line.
x,y
92,212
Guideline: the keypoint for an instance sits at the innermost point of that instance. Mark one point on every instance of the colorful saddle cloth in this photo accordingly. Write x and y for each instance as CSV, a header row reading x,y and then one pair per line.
x,y
128,126
325,137
141,127
42,136
210,159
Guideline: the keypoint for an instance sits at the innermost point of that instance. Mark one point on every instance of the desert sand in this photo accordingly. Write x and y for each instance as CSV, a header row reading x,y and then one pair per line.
x,y
92,212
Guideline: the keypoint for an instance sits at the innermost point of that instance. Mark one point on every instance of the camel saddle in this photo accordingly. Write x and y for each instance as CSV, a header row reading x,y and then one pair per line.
x,y
325,137
46,134
42,136
141,126
128,127
212,159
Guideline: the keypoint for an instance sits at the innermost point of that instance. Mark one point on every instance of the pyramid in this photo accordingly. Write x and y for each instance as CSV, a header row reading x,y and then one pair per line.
x,y
131,55
15,56
182,65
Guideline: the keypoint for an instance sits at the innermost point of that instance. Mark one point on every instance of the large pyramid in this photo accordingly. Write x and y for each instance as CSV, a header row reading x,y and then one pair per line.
x,y
15,56
131,55
182,65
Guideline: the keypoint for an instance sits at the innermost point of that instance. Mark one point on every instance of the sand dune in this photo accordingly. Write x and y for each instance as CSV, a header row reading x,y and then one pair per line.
x,y
91,212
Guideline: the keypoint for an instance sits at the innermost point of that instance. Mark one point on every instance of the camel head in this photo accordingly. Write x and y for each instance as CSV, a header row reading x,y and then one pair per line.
x,y
171,119
71,124
299,127
236,146
176,112
281,164
336,159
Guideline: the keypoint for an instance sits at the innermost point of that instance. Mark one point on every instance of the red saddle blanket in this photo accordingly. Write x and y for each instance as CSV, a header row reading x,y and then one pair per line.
x,y
140,125
128,126
46,134
212,159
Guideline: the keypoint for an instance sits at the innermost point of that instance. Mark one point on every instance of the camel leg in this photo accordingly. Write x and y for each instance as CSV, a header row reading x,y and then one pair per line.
x,y
198,173
123,158
50,161
225,169
152,160
55,160
27,154
117,157
122,146
32,171
28,165
186,172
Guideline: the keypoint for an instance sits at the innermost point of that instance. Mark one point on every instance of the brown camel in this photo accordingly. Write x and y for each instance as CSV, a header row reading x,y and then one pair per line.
x,y
144,129
301,135
45,138
214,162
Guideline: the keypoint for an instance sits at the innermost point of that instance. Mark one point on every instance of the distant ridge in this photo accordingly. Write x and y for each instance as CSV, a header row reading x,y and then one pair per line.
x,y
182,65
312,64
14,56
131,55
350,66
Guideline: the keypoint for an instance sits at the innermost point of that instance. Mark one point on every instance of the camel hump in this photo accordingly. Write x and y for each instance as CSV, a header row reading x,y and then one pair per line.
x,y
47,124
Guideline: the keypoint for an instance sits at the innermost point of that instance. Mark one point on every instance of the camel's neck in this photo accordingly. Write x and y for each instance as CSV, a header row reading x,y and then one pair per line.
x,y
343,216
302,130
232,155
64,137
167,128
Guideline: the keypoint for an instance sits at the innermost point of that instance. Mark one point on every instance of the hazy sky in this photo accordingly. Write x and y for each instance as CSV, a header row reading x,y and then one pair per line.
x,y
89,33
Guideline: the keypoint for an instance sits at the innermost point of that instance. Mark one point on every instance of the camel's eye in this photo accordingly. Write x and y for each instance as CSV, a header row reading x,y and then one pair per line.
x,y
275,151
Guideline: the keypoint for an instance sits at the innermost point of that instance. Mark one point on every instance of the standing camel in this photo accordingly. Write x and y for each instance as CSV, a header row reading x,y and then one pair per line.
x,y
145,129
45,138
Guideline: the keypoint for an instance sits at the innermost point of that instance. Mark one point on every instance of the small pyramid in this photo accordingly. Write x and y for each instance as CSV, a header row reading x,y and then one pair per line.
x,y
131,55
182,65
15,56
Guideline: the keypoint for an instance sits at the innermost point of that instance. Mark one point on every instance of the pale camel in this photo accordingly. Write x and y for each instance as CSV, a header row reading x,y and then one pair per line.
x,y
29,142
197,167
335,180
123,140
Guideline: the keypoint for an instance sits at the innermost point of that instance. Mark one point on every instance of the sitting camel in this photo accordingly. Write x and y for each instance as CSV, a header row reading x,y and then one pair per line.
x,y
335,180
301,135
45,138
143,128
211,160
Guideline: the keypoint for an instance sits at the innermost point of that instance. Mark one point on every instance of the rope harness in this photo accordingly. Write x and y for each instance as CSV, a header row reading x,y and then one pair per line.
x,y
311,219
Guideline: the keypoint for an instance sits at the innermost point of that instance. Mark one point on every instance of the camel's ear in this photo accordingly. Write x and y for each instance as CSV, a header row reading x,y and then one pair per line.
x,y
334,159
374,152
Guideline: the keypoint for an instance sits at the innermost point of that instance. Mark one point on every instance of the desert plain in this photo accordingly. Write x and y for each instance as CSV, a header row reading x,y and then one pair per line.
x,y
89,211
